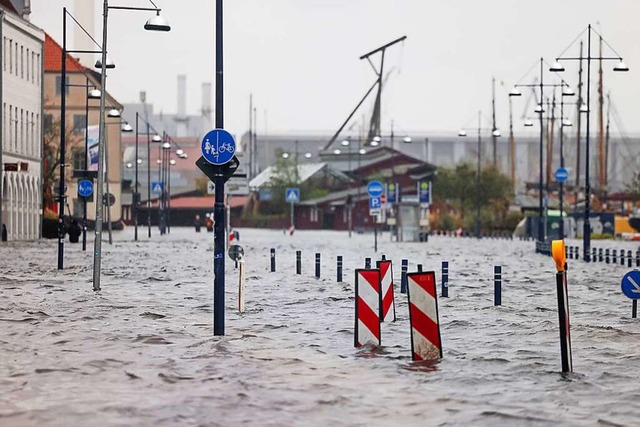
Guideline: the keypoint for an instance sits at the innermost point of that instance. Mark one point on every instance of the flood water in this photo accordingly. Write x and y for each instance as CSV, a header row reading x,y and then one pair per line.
x,y
142,351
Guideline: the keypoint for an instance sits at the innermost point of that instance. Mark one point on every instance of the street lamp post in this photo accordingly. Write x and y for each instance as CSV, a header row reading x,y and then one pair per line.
x,y
557,67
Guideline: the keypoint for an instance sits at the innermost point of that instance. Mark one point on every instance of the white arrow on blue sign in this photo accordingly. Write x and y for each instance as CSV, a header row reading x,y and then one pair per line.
x,y
561,174
292,195
156,187
375,188
85,188
218,147
631,284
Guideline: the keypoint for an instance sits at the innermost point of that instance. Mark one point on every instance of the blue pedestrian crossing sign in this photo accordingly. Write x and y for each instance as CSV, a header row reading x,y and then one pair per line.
x,y
156,187
218,147
85,188
561,174
631,284
292,195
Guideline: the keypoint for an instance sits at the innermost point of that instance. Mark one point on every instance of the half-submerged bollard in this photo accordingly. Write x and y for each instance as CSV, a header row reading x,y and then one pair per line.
x,y
367,263
339,268
557,251
423,316
317,265
629,259
638,258
241,286
600,256
614,256
607,258
445,279
403,276
367,328
273,260
387,297
298,262
622,257
497,285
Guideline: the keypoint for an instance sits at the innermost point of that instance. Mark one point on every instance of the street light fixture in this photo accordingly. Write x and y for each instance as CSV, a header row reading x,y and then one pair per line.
x,y
308,156
94,94
528,123
127,128
114,113
619,67
285,155
336,151
157,23
407,140
110,64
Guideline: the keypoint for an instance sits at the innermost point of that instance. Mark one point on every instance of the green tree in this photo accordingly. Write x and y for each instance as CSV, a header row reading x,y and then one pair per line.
x,y
51,158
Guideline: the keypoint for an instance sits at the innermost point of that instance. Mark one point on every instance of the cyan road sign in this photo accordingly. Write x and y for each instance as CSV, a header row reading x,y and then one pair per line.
x,y
631,284
85,188
292,195
218,147
375,188
561,174
156,187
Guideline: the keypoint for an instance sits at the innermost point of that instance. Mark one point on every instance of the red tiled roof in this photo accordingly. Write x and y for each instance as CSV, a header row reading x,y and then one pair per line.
x,y
7,5
53,57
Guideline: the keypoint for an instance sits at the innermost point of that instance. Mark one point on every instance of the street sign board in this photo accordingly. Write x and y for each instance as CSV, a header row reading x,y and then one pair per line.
x,y
561,174
237,186
218,147
85,188
292,195
236,252
156,187
392,193
375,188
631,284
375,204
211,188
424,193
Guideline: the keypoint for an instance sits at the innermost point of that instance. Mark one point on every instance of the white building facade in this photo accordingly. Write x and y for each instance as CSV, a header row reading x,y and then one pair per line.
x,y
21,96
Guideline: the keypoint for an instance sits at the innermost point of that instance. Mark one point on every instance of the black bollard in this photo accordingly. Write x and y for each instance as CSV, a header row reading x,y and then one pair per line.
x,y
577,251
638,258
317,265
614,256
419,268
622,257
298,262
445,279
273,260
570,254
497,285
629,259
607,259
593,255
339,268
367,263
403,276
600,255
634,309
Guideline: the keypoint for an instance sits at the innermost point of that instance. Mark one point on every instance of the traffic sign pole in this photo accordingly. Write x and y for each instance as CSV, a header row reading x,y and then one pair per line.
x,y
218,212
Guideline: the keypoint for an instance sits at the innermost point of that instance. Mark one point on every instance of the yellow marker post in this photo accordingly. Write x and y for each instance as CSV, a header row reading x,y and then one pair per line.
x,y
559,256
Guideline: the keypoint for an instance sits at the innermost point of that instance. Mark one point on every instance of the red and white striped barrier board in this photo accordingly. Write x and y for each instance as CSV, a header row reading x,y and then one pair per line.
x,y
387,298
423,316
367,330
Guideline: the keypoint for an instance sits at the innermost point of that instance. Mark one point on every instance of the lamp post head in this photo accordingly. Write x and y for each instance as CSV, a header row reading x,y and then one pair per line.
x,y
515,92
407,140
179,152
172,162
336,151
345,143
621,66
113,113
496,133
539,109
584,109
166,145
528,123
285,155
375,142
110,64
567,91
307,156
567,123
462,133
94,94
127,128
183,155
556,67
156,138
157,23
362,151
158,161
139,161
129,165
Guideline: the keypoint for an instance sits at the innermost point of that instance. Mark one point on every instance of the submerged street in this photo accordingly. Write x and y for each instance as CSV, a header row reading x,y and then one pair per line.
x,y
142,351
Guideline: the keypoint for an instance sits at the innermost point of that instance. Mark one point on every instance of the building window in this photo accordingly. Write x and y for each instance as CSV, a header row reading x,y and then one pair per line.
x,y
48,123
28,65
38,68
59,88
21,140
78,159
10,56
22,62
4,51
314,214
33,67
79,123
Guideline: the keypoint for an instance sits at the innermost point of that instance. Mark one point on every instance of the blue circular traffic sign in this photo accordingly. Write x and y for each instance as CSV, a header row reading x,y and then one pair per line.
x,y
631,284
375,188
85,188
218,147
561,174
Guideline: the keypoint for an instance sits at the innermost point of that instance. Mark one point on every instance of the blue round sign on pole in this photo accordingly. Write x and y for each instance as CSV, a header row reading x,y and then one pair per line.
x,y
85,188
631,284
561,174
375,188
218,147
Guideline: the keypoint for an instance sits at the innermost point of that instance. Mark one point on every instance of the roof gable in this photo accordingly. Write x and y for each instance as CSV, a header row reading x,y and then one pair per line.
x,y
53,57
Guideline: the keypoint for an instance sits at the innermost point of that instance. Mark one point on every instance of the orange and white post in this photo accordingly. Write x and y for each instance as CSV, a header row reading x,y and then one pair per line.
x,y
367,325
423,316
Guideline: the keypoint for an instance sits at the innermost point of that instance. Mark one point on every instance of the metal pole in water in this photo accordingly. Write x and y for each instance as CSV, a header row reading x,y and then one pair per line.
x,y
367,263
629,259
419,268
606,256
339,274
298,262
317,265
634,309
403,276
497,285
614,255
622,257
375,236
557,251
273,260
445,279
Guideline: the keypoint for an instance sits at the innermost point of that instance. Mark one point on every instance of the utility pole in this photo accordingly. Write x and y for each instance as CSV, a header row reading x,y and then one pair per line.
x,y
494,128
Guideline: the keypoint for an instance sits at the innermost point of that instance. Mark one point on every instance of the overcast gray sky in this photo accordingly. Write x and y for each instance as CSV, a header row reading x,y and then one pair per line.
x,y
299,58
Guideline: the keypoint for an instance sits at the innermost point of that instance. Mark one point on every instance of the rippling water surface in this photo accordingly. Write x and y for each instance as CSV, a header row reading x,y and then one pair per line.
x,y
142,351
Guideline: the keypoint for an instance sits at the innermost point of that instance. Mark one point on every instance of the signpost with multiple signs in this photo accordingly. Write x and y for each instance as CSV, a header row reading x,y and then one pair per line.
x,y
292,196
